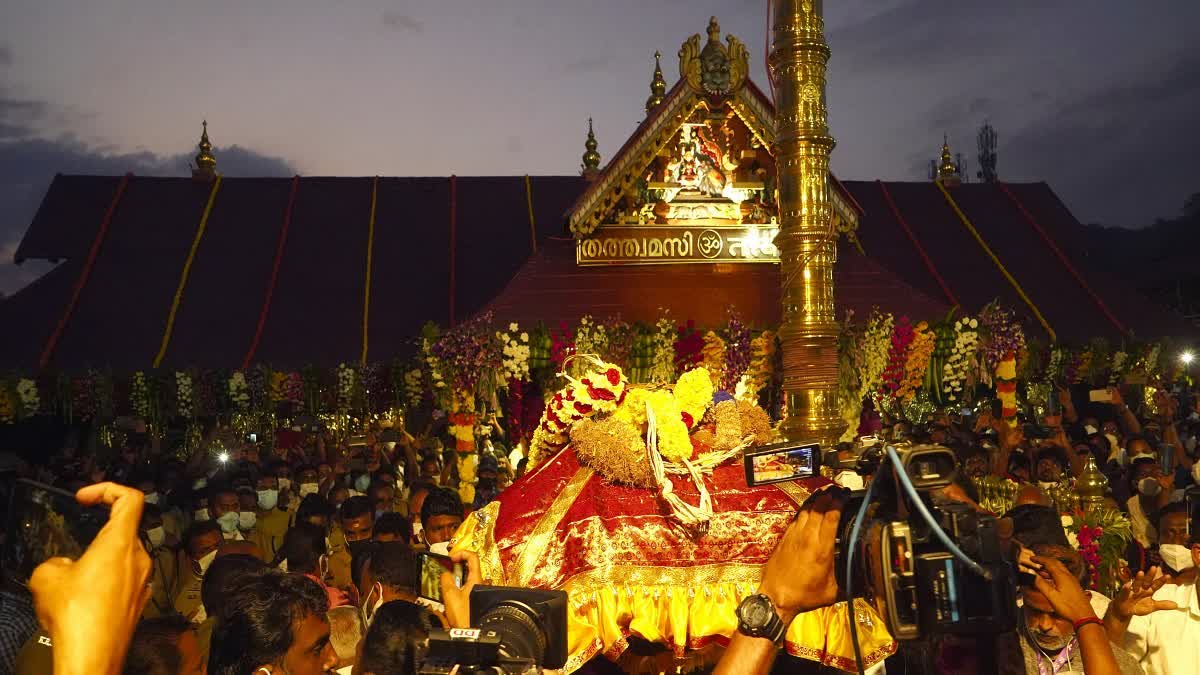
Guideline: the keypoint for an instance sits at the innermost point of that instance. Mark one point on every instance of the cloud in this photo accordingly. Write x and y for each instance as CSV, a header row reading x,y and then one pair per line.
x,y
28,164
403,23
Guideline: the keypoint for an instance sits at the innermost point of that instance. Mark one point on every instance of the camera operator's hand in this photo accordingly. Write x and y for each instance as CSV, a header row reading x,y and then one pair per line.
x,y
90,606
458,600
799,576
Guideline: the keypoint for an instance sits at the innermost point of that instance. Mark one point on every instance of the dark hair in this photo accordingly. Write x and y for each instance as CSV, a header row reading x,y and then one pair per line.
x,y
1069,557
394,565
394,524
397,640
356,507
257,623
219,489
441,502
199,529
1173,507
303,546
313,505
1053,452
1034,525
359,560
154,648
222,574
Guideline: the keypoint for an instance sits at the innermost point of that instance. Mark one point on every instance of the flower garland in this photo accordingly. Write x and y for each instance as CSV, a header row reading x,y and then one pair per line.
x,y
27,395
562,345
139,395
875,345
183,395
1101,535
956,371
758,372
663,368
239,391
602,389
737,351
694,392
712,357
1006,387
1005,335
590,338
893,374
689,346
345,387
467,355
515,351
916,361
413,391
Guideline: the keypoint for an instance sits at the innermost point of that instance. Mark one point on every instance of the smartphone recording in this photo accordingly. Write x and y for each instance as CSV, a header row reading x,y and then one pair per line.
x,y
430,567
45,522
782,462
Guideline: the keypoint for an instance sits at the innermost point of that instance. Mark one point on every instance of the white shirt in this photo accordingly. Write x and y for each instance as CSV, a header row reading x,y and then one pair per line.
x,y
1167,642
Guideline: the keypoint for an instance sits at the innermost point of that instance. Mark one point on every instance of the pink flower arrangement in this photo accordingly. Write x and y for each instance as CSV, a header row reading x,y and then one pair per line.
x,y
893,373
688,347
1089,549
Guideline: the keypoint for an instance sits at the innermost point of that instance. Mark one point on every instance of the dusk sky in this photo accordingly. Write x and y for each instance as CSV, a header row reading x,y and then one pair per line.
x,y
1098,98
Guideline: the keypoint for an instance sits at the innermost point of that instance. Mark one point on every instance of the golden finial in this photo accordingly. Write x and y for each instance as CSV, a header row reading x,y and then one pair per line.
x,y
1091,485
591,158
658,86
947,172
206,164
714,30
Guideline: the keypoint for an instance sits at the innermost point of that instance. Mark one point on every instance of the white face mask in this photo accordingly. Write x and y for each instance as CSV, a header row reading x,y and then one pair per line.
x,y
285,484
205,561
156,535
345,670
201,515
246,520
1149,486
268,499
229,522
1178,558
441,548
1089,429
151,497
307,489
369,608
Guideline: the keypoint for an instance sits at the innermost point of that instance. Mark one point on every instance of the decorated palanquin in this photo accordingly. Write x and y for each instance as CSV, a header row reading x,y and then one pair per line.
x,y
636,505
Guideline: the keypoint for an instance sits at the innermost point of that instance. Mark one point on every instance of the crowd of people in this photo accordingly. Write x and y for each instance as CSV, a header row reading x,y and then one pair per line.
x,y
301,557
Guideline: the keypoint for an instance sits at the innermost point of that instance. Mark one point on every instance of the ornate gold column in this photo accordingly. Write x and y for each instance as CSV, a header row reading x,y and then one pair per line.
x,y
807,241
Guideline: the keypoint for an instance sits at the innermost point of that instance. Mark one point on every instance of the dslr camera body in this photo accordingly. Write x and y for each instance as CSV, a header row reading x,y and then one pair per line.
x,y
516,631
915,581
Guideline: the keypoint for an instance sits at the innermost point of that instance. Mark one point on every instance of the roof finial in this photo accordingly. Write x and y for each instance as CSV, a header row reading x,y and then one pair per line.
x,y
947,172
658,86
206,164
591,158
714,30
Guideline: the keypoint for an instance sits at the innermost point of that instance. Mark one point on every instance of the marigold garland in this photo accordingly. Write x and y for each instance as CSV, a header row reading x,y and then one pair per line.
x,y
694,391
712,357
916,362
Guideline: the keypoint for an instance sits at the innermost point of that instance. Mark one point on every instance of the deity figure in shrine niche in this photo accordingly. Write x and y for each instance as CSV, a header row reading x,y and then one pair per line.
x,y
698,163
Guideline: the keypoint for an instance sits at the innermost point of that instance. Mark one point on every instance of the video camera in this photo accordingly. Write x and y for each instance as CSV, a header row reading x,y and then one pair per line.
x,y
930,565
518,630
926,579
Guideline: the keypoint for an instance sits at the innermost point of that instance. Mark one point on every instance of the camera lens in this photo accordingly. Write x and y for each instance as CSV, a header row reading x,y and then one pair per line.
x,y
519,629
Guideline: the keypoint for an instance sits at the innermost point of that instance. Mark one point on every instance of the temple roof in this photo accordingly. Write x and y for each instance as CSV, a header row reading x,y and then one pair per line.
x,y
316,310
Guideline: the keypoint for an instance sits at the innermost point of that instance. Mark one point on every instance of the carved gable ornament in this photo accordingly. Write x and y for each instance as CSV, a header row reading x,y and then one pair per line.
x,y
716,69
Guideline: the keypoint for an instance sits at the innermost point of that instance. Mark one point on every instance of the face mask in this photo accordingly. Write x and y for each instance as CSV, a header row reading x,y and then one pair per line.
x,y
1089,429
307,489
267,499
201,515
1178,558
345,670
199,483
369,608
357,547
151,497
1149,487
441,548
156,535
362,483
206,561
285,484
246,520
229,522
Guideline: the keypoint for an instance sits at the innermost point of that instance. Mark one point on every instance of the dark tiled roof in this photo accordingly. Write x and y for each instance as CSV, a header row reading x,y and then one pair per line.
x,y
316,311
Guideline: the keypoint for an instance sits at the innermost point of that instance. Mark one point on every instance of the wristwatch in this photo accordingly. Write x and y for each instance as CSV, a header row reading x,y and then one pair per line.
x,y
757,618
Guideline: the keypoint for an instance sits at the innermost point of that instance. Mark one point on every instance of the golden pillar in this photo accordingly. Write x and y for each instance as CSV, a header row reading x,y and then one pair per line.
x,y
807,241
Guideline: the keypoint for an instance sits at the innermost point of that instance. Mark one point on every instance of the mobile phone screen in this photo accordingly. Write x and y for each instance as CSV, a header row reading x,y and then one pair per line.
x,y
45,522
430,567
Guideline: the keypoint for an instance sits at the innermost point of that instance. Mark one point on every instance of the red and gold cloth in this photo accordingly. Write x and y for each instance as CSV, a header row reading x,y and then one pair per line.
x,y
630,570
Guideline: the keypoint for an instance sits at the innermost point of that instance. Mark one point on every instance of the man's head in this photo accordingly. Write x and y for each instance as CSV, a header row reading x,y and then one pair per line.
x,y
1045,627
431,468
314,509
357,516
1052,464
975,462
1173,525
276,623
1137,445
201,541
338,495
223,576
397,640
392,526
441,514
304,548
164,646
1018,466
346,633
247,499
393,567
488,473
416,498
222,499
381,495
